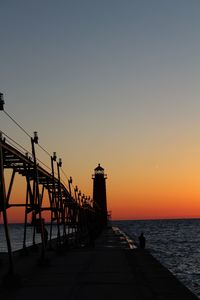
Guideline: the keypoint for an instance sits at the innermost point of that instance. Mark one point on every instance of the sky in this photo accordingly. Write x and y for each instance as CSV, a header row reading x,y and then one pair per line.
x,y
112,82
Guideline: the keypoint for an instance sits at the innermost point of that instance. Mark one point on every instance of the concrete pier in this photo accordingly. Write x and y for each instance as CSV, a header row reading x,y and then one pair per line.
x,y
110,270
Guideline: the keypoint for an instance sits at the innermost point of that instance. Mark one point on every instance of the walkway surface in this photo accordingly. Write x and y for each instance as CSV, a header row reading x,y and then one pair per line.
x,y
110,270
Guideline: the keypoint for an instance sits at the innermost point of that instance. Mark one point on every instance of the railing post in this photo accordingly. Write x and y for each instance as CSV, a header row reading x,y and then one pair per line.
x,y
55,202
37,200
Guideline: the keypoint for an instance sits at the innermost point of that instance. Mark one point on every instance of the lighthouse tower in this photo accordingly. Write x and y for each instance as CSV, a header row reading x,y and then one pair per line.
x,y
99,193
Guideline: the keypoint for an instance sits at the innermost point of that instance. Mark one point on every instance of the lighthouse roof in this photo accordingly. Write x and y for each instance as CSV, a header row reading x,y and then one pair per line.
x,y
99,168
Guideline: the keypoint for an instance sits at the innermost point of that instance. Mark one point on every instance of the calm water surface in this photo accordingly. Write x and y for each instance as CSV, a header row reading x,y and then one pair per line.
x,y
16,232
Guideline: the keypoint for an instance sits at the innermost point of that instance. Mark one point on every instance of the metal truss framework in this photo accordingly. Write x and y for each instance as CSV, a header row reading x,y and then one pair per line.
x,y
73,215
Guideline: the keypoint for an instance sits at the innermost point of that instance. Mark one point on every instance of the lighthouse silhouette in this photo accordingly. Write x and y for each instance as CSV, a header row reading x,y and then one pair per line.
x,y
99,193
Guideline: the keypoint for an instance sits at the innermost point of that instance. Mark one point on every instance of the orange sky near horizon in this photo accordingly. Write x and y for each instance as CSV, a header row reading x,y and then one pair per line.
x,y
140,208
137,195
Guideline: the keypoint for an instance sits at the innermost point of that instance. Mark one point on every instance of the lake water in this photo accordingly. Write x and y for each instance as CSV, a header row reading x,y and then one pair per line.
x,y
16,232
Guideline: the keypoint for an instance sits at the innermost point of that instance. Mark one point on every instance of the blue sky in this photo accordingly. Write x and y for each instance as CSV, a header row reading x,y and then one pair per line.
x,y
109,81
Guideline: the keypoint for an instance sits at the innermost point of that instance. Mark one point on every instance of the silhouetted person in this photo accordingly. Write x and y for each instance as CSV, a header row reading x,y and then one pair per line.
x,y
142,241
45,237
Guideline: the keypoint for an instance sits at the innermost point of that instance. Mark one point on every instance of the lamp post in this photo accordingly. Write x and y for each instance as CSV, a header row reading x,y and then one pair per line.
x,y
75,193
36,196
59,165
60,202
34,140
53,158
69,184
54,198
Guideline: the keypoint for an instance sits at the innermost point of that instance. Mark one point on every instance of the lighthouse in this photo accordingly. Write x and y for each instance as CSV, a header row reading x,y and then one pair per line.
x,y
99,193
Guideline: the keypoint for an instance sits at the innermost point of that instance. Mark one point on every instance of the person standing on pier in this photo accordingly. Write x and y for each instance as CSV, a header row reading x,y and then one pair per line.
x,y
142,240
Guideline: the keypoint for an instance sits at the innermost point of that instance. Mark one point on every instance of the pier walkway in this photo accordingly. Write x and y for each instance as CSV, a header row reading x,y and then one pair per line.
x,y
110,270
